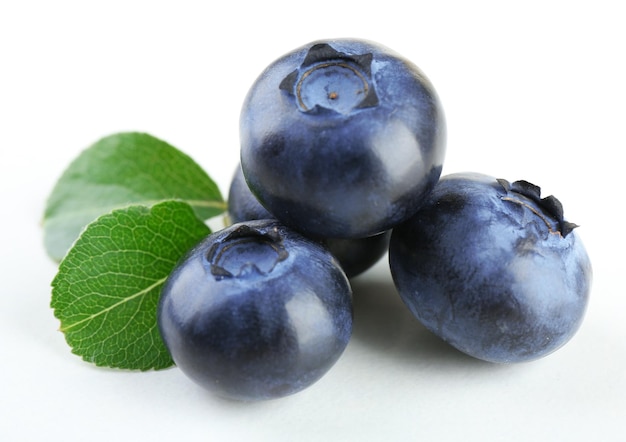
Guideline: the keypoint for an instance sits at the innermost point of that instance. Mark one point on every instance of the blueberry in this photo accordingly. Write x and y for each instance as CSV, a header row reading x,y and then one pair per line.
x,y
342,138
256,311
355,255
242,204
492,268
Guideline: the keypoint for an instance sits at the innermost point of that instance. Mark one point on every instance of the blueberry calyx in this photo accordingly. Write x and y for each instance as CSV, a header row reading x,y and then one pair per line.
x,y
246,251
329,80
549,205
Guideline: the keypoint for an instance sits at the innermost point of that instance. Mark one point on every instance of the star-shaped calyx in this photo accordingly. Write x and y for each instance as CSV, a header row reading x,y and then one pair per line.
x,y
246,252
329,80
549,205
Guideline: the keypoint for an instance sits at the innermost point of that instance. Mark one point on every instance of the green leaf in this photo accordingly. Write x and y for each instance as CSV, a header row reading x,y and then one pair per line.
x,y
118,171
107,288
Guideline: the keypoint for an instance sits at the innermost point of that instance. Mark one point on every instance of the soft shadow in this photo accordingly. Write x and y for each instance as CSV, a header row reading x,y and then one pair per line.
x,y
383,323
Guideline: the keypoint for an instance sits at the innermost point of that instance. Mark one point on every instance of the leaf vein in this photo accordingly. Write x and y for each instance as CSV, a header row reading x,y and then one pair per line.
x,y
105,311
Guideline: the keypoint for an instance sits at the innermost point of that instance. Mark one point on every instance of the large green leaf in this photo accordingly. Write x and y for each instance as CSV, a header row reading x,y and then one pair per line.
x,y
121,170
107,288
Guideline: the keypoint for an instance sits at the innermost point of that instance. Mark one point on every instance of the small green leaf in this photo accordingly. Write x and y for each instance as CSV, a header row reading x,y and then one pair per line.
x,y
118,171
107,288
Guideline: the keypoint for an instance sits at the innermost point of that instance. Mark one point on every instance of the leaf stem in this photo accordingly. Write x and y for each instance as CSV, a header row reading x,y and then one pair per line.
x,y
221,205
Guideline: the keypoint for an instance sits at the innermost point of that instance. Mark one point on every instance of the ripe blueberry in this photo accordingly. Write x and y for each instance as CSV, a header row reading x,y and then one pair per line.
x,y
492,268
256,311
342,138
355,255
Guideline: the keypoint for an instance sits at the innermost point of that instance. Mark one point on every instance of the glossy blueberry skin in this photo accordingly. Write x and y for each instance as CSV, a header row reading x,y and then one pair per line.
x,y
256,311
334,166
496,273
355,255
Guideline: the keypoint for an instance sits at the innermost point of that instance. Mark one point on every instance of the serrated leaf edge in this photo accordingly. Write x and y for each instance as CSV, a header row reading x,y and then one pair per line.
x,y
143,292
220,205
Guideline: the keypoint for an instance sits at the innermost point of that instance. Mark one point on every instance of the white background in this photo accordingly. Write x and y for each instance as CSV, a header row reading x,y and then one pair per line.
x,y
533,92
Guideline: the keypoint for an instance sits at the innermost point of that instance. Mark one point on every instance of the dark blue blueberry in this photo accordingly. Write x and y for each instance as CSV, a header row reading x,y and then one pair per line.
x,y
492,268
256,311
342,139
242,204
355,255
